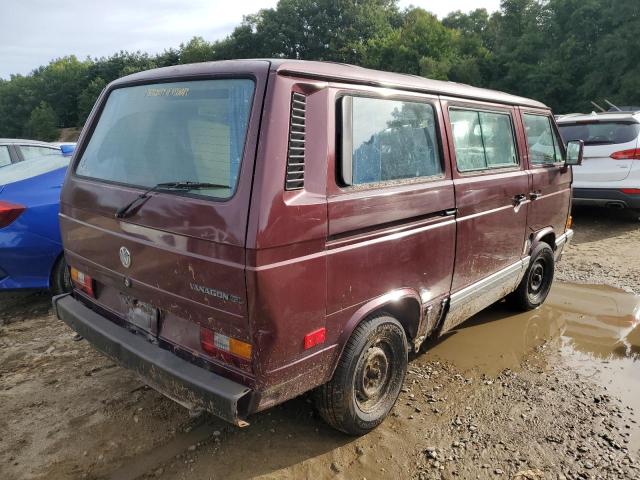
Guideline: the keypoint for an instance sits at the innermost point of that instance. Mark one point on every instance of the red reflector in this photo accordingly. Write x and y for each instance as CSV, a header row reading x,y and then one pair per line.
x,y
631,191
9,212
315,338
207,341
632,154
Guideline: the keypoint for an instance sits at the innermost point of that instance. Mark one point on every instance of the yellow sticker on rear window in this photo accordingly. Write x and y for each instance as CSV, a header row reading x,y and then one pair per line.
x,y
167,92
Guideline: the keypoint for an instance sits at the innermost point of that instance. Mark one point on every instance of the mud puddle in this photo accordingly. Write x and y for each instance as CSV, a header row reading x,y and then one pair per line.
x,y
596,330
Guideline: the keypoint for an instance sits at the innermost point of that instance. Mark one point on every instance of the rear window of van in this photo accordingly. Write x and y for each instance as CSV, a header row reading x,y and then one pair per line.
x,y
172,132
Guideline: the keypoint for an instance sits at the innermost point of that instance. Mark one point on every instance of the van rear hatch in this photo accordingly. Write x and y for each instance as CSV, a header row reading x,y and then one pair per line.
x,y
169,263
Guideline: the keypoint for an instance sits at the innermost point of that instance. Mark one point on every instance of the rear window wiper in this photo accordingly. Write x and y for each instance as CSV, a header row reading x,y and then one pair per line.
x,y
124,211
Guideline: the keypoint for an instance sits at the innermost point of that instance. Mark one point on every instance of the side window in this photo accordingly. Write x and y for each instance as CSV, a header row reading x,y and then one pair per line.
x,y
386,140
544,147
29,151
5,159
482,140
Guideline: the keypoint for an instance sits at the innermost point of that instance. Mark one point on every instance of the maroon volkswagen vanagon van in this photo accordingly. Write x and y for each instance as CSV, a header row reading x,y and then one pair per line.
x,y
242,232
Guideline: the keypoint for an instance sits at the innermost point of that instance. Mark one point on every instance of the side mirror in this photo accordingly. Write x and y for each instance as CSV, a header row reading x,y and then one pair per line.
x,y
67,150
575,150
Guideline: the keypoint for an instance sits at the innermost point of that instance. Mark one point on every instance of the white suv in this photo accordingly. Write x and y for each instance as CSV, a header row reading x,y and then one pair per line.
x,y
610,172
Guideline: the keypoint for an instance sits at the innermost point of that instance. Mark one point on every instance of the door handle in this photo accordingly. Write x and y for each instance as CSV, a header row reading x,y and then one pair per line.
x,y
518,199
535,195
450,211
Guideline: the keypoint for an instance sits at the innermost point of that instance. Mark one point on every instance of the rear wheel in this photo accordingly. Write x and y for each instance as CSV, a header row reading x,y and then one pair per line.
x,y
536,283
368,378
60,277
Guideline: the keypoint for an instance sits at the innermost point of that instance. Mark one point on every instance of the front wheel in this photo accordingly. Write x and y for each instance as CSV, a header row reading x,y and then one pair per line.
x,y
368,378
536,283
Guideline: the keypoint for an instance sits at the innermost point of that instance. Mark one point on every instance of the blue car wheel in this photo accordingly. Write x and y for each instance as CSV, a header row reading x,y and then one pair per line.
x,y
60,277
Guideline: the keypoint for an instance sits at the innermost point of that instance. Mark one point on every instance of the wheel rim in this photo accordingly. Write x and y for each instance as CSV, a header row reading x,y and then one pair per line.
x,y
373,375
539,279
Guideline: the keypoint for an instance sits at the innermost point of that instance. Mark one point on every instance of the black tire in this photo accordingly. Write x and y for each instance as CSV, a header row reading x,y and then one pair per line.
x,y
368,378
536,282
60,277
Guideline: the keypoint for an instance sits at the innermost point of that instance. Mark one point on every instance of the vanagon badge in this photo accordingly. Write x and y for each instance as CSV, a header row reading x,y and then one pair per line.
x,y
125,257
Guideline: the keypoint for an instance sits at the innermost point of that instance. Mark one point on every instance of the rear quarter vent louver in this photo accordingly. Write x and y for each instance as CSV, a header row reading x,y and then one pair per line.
x,y
296,147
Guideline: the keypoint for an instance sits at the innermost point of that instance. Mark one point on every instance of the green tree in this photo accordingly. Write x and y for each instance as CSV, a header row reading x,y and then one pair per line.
x,y
88,97
421,45
197,50
59,85
336,30
42,124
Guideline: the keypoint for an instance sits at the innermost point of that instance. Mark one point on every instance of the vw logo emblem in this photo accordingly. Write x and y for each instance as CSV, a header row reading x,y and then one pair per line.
x,y
125,257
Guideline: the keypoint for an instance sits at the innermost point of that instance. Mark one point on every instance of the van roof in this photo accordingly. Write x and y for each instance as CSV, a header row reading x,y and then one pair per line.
x,y
354,74
600,117
341,72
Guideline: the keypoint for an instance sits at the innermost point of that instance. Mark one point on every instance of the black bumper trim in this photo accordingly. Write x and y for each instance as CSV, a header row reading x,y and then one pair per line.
x,y
604,197
172,376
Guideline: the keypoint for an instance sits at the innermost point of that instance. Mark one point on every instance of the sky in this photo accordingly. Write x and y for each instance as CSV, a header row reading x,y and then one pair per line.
x,y
33,32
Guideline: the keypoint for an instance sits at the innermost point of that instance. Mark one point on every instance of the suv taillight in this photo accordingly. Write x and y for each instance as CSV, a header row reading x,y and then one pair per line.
x,y
9,212
632,154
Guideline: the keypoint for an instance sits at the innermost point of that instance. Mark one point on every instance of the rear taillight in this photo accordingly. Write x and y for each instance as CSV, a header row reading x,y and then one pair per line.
x,y
631,191
632,154
9,212
83,281
214,344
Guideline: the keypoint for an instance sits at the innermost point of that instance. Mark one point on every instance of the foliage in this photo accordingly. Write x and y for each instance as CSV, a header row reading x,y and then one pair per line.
x,y
88,97
42,123
562,52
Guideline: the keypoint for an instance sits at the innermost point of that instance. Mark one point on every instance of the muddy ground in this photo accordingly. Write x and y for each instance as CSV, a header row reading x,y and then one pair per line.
x,y
549,394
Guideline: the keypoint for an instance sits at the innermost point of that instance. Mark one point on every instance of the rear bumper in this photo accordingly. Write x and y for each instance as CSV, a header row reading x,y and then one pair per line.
x,y
605,197
187,384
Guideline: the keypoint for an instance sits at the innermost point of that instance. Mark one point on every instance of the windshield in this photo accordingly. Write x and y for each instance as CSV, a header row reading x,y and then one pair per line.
x,y
168,132
600,133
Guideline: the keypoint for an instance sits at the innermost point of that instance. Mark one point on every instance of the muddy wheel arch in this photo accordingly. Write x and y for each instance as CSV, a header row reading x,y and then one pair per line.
x,y
403,304
546,235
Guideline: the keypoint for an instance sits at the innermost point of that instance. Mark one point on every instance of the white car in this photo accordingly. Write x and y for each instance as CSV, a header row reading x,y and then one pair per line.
x,y
14,150
610,172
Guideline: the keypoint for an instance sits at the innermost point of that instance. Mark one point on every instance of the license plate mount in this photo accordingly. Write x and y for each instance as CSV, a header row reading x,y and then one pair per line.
x,y
141,314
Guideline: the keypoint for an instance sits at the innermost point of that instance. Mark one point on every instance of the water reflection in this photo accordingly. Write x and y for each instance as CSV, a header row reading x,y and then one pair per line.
x,y
599,320
596,320
590,329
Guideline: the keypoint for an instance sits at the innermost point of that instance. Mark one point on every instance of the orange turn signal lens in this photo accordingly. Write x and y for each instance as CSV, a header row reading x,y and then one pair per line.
x,y
83,281
240,349
569,223
211,342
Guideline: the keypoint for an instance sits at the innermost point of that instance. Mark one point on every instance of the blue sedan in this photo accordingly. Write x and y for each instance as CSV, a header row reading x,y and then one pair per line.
x,y
31,255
